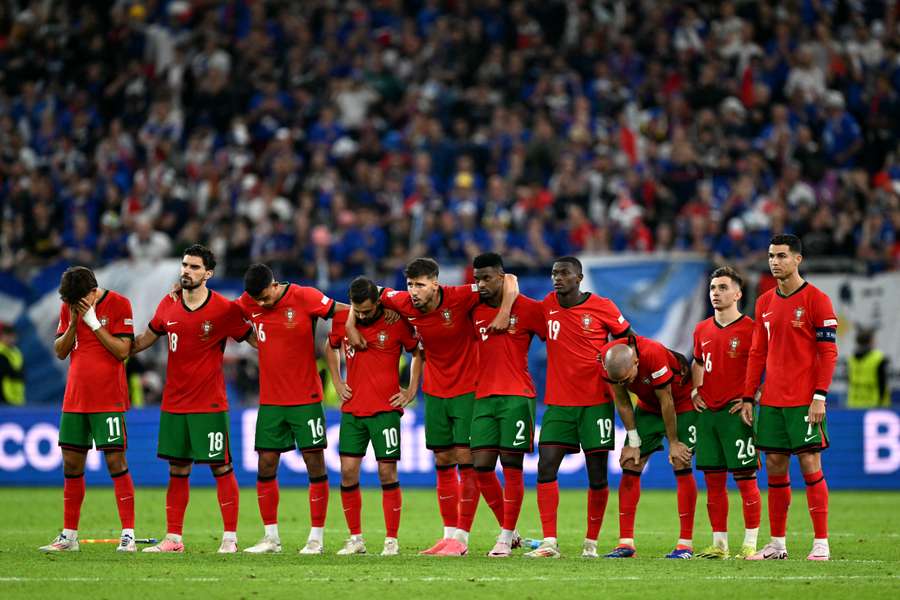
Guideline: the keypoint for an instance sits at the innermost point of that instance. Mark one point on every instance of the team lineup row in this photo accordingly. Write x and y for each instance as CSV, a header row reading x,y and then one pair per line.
x,y
469,347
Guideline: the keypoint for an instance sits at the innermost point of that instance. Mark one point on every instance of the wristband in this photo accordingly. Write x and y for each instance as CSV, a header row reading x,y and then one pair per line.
x,y
90,319
749,400
634,440
819,396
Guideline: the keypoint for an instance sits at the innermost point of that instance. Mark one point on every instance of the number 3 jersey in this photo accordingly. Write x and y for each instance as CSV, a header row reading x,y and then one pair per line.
x,y
285,334
373,374
196,341
723,351
96,381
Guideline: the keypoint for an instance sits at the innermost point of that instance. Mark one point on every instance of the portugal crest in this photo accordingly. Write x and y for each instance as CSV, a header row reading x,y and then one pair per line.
x,y
448,317
205,330
382,338
733,346
513,321
586,321
289,314
798,317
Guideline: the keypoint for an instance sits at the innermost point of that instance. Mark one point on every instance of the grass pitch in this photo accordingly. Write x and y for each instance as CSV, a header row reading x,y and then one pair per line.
x,y
865,541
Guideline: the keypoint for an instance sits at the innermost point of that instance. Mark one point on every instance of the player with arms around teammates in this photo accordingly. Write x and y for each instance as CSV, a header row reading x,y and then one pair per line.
x,y
372,403
505,397
193,425
580,413
96,331
283,316
725,442
794,344
441,316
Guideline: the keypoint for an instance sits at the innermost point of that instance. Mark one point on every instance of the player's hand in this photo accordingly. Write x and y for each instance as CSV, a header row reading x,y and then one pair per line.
x,y
678,452
356,340
699,404
175,292
391,316
630,457
343,390
816,412
735,405
747,413
402,398
500,322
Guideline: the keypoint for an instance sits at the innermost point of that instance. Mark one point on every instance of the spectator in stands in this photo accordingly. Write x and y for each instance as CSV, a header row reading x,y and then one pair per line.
x,y
12,369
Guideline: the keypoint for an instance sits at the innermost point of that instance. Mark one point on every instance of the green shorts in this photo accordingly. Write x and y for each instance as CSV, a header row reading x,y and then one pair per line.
x,y
504,423
194,437
448,421
591,428
383,430
788,431
83,431
724,441
281,428
652,429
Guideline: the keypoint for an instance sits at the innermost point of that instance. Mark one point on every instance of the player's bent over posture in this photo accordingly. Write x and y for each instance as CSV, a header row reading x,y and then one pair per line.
x,y
372,403
725,443
193,424
503,419
794,343
96,331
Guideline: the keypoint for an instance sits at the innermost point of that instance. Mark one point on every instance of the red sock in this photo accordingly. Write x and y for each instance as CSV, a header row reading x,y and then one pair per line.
x,y
176,502
596,508
123,488
717,499
267,495
391,503
468,497
229,499
489,486
352,501
318,500
548,506
513,494
629,496
751,502
448,494
817,499
779,501
73,496
687,502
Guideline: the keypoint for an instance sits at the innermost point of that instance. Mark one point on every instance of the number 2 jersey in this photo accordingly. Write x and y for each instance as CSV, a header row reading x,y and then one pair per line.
x,y
285,335
575,336
196,342
723,352
795,344
96,381
374,373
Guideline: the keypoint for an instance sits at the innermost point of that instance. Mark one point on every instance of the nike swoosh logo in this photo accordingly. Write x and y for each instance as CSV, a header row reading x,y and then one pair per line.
x,y
444,497
317,499
254,315
519,443
748,461
391,451
596,519
115,439
705,343
410,318
479,322
170,323
766,314
553,312
606,441
318,441
397,509
809,439
125,498
215,455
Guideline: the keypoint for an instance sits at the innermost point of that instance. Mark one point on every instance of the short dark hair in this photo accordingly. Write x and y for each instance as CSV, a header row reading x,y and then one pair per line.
x,y
730,273
362,289
257,278
572,261
789,240
421,267
76,283
205,254
488,259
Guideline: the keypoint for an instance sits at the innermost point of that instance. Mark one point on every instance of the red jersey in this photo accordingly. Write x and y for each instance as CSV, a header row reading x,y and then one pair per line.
x,y
794,342
657,367
574,338
723,353
503,357
373,375
96,381
451,359
194,379
286,342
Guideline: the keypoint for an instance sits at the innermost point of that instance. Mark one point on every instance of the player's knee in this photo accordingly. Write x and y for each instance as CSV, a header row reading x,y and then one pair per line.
x,y
73,462
350,479
443,458
115,461
810,462
484,461
387,472
315,463
512,461
777,464
220,470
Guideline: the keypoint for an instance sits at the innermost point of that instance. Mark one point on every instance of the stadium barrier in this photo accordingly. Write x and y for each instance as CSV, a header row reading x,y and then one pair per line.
x,y
864,453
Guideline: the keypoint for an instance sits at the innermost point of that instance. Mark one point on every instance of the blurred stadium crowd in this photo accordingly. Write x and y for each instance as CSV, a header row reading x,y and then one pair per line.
x,y
335,138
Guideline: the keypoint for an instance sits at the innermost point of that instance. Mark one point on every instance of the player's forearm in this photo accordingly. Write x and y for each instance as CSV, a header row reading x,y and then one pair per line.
x,y
63,344
756,363
667,409
697,374
825,364
333,362
415,371
118,347
143,341
623,406
510,292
